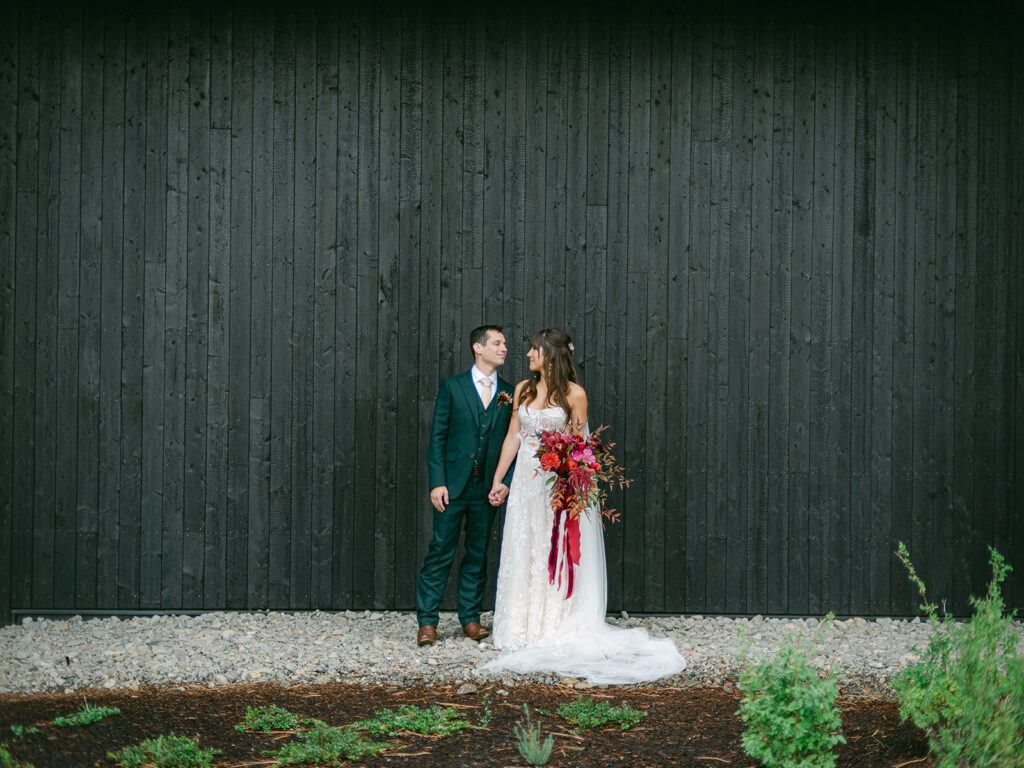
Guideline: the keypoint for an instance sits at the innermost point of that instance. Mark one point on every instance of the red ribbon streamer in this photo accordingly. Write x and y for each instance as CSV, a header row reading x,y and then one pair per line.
x,y
570,547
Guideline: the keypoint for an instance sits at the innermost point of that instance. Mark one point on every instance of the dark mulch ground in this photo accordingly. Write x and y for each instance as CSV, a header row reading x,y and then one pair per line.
x,y
684,727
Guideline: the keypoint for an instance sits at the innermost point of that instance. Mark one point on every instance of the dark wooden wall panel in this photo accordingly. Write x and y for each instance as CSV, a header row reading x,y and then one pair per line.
x,y
153,313
23,306
9,91
280,340
197,261
240,247
941,534
111,308
68,256
45,438
677,283
133,267
756,416
324,306
1016,315
216,509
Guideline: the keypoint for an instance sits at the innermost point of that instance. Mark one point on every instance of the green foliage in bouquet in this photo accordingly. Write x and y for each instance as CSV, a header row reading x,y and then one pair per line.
x,y
790,711
967,693
533,750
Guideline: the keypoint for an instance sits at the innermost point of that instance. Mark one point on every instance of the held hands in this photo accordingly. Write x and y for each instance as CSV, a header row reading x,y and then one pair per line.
x,y
439,497
498,494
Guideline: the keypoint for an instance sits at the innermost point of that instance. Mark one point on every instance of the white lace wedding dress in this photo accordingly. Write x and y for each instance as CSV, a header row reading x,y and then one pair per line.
x,y
535,626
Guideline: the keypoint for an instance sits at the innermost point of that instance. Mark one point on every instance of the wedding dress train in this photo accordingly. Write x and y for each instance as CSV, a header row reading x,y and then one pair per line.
x,y
535,626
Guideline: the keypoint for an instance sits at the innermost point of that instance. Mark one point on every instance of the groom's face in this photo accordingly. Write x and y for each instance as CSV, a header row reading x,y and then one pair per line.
x,y
493,350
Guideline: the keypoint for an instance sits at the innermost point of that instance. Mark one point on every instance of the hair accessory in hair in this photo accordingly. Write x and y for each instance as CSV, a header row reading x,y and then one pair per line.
x,y
571,347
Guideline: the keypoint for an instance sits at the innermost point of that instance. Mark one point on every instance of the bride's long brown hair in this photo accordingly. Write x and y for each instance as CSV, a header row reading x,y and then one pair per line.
x,y
559,369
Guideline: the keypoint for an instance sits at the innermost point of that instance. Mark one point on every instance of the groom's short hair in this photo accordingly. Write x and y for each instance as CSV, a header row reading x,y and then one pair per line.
x,y
479,335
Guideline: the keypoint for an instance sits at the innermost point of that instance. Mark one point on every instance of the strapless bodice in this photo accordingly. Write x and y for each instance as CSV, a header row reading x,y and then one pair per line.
x,y
534,422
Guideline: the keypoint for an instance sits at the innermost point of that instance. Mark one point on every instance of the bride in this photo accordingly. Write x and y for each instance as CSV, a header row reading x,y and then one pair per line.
x,y
536,625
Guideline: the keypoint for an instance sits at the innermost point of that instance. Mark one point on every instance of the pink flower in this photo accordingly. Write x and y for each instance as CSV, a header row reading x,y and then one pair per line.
x,y
586,455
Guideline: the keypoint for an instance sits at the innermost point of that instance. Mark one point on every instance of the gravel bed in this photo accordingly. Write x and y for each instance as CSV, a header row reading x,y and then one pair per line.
x,y
373,648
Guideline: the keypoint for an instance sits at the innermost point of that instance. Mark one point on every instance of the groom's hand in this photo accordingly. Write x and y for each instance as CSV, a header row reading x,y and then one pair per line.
x,y
439,497
498,494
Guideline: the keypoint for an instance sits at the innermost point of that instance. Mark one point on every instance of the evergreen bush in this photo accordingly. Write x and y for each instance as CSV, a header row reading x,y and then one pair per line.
x,y
967,692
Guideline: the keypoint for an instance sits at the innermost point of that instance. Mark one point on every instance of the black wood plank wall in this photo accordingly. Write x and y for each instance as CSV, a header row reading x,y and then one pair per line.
x,y
240,248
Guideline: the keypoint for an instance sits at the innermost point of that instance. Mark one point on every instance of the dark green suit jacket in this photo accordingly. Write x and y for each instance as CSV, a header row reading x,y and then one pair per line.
x,y
454,436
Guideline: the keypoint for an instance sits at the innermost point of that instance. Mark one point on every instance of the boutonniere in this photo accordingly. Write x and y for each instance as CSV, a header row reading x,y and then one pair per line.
x,y
504,398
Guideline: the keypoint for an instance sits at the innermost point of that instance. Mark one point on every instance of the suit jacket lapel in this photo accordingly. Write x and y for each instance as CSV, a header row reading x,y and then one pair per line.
x,y
472,398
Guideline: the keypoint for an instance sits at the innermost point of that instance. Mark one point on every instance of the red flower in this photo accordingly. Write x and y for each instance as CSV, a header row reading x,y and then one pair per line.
x,y
550,461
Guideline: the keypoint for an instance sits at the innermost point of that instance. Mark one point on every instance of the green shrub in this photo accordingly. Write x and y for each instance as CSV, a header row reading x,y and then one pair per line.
x,y
7,761
87,715
164,752
325,744
587,713
967,693
435,720
265,719
528,740
790,711
486,715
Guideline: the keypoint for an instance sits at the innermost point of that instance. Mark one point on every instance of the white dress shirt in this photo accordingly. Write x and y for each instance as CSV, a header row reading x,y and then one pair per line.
x,y
479,375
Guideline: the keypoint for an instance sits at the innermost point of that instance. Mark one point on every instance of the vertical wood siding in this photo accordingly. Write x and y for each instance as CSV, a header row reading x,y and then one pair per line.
x,y
240,248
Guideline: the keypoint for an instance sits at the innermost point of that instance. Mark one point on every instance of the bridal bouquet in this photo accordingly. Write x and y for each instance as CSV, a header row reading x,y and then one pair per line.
x,y
578,465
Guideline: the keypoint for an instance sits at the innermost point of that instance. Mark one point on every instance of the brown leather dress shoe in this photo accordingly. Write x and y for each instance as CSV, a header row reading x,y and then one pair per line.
x,y
475,631
427,635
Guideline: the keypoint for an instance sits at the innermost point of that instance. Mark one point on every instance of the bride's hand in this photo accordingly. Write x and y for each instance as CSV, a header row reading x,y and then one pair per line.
x,y
498,493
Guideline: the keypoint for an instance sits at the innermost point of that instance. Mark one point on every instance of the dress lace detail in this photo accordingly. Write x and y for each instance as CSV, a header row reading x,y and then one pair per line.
x,y
536,627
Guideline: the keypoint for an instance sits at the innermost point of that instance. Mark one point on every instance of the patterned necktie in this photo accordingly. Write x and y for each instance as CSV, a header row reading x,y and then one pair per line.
x,y
486,394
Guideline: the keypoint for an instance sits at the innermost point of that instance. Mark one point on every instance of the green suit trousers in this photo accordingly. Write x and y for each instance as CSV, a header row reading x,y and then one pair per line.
x,y
469,510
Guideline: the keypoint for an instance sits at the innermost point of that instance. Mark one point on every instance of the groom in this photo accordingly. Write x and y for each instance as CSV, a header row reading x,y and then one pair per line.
x,y
471,417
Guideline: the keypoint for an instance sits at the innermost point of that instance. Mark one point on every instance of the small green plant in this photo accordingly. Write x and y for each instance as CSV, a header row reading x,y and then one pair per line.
x,y
587,713
20,731
7,761
791,714
528,740
435,720
87,715
266,719
164,752
486,715
967,693
325,744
